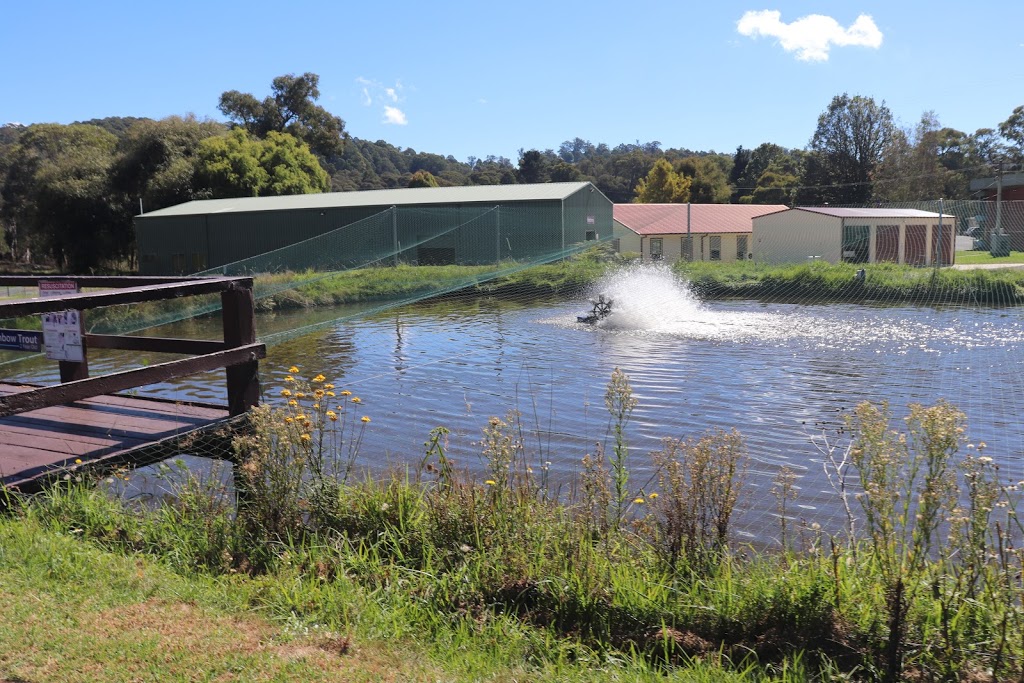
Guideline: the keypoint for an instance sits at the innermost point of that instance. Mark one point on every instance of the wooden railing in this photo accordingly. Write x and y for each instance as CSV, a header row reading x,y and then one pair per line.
x,y
238,352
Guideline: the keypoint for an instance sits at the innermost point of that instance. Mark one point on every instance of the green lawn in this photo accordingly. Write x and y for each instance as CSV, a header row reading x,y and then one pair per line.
x,y
985,257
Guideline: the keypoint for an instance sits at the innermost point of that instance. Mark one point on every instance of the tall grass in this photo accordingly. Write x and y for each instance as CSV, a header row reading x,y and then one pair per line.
x,y
926,585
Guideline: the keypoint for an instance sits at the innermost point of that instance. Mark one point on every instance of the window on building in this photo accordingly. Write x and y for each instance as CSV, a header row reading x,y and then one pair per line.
x,y
178,263
856,243
686,249
741,247
715,247
198,262
591,235
657,249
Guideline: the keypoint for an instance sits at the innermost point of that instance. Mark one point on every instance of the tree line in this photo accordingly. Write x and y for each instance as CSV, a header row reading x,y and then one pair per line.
x,y
68,193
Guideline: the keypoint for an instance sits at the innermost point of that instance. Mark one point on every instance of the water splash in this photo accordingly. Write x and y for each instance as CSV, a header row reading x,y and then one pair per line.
x,y
648,297
651,301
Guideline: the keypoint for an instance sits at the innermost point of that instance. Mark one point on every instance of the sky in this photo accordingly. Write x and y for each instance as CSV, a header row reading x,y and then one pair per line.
x,y
477,78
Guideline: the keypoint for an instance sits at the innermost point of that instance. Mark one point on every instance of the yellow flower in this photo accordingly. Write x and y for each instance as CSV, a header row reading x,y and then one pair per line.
x,y
356,399
331,415
364,418
639,501
490,482
319,378
307,424
286,392
328,386
78,461
289,378
653,496
346,392
331,394
293,369
319,393
293,403
300,416
299,394
306,437
289,420
316,406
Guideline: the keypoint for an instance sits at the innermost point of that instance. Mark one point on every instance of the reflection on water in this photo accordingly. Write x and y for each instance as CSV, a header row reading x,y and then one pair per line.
x,y
780,373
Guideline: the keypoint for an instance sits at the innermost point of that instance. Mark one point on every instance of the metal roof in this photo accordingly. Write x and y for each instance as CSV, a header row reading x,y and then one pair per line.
x,y
405,196
671,219
843,212
1009,180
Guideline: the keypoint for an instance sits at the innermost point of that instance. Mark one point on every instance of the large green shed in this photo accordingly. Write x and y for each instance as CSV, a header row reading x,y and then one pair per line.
x,y
470,225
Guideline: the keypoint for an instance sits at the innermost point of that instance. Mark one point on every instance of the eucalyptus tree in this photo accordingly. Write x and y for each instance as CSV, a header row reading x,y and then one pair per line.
x,y
851,139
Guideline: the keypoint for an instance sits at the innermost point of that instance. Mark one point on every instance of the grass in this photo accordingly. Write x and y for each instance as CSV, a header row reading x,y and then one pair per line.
x,y
435,573
972,257
882,282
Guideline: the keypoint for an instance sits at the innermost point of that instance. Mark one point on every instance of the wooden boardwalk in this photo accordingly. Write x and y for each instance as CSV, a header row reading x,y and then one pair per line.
x,y
84,422
39,445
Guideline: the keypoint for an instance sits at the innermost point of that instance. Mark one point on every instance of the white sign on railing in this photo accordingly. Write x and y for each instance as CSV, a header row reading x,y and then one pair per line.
x,y
62,330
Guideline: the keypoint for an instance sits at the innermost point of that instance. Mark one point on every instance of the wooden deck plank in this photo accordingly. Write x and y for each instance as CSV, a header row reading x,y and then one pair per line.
x,y
41,443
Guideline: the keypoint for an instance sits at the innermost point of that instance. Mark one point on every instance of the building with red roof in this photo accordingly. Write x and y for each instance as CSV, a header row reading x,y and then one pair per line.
x,y
691,232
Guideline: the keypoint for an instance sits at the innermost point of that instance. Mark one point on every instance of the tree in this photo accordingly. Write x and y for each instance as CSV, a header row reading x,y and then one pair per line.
x,y
738,173
663,185
562,172
533,167
423,179
1013,130
852,137
57,196
708,182
773,187
238,165
289,109
155,161
910,169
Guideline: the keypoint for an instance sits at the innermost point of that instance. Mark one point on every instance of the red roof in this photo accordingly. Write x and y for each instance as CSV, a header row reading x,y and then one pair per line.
x,y
670,219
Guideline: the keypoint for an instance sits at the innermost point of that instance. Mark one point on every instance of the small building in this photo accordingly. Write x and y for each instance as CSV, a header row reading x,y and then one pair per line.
x,y
989,188
1006,193
854,235
690,232
470,225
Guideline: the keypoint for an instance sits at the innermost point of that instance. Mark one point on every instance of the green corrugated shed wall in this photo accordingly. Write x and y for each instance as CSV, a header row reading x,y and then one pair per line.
x,y
172,243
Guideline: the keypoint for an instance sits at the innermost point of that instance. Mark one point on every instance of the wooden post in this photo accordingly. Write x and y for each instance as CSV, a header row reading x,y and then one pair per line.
x,y
239,313
71,371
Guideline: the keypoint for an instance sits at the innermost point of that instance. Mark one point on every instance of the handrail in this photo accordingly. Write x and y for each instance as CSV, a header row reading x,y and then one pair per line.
x,y
238,352
129,295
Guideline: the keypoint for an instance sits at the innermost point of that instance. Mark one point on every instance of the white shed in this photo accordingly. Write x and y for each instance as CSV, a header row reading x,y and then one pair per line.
x,y
854,235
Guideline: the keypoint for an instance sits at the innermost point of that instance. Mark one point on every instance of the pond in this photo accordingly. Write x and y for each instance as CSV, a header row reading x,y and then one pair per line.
x,y
782,374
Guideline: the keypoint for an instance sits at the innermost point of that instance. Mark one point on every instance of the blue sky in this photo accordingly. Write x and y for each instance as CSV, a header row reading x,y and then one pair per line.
x,y
480,78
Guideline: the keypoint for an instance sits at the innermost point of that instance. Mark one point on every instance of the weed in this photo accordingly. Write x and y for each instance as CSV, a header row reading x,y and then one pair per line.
x,y
700,481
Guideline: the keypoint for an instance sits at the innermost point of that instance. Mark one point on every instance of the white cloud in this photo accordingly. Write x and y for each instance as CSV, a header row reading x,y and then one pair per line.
x,y
395,116
810,37
375,93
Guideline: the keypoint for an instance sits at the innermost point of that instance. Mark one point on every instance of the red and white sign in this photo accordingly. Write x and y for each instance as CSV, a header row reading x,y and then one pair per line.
x,y
48,288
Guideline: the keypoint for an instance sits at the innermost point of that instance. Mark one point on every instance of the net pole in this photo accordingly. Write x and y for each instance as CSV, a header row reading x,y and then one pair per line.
x,y
394,231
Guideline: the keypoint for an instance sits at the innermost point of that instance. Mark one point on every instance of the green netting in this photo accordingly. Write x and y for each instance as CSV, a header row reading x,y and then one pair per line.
x,y
495,241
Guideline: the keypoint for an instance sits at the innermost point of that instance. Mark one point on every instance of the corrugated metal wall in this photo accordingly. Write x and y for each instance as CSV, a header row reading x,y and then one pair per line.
x,y
470,234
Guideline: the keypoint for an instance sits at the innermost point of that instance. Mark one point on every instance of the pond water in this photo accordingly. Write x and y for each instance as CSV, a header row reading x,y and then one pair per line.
x,y
782,374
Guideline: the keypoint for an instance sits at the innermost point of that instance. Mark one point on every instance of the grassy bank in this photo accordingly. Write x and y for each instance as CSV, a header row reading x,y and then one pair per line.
x,y
500,575
882,282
